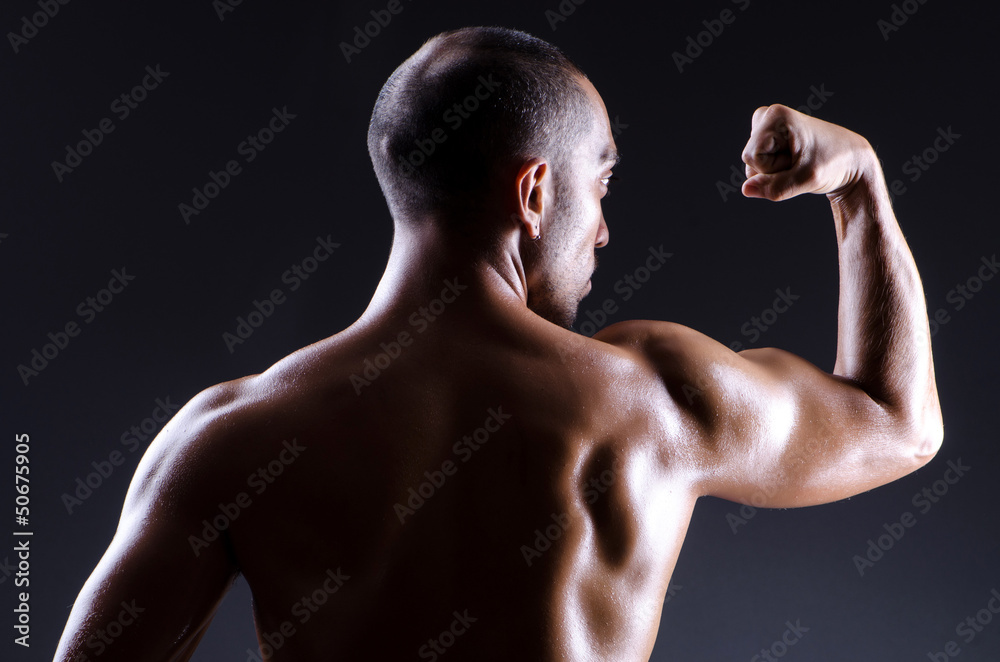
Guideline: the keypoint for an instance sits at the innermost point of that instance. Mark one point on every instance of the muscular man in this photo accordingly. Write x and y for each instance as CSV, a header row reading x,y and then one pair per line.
x,y
457,473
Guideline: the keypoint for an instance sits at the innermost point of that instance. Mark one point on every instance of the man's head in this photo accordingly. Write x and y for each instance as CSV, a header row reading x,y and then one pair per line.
x,y
488,131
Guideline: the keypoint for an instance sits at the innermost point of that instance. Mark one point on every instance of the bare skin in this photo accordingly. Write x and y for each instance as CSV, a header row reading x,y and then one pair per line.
x,y
553,533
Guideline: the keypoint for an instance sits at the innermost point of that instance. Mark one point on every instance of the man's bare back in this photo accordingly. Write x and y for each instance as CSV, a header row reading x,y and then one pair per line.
x,y
457,475
544,496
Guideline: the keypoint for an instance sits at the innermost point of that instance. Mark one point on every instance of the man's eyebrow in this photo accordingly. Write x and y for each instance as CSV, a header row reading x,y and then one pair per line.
x,y
611,156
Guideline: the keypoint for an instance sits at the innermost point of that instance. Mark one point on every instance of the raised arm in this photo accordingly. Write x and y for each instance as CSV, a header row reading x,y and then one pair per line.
x,y
151,596
769,427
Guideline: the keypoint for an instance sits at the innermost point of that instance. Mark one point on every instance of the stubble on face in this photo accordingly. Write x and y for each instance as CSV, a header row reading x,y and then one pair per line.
x,y
562,276
564,257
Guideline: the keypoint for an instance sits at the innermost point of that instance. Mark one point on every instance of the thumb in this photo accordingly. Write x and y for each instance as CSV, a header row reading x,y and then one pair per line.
x,y
775,186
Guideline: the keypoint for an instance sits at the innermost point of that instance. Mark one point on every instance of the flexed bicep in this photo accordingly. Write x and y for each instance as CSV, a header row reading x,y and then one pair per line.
x,y
769,428
788,434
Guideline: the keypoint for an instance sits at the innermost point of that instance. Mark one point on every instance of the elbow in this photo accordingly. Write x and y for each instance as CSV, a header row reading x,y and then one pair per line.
x,y
927,443
916,444
930,443
931,430
919,431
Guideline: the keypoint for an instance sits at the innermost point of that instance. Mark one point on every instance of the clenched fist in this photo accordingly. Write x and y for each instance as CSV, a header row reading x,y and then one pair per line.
x,y
791,153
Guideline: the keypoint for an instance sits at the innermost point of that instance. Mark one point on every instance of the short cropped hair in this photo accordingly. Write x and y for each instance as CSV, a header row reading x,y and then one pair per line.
x,y
468,102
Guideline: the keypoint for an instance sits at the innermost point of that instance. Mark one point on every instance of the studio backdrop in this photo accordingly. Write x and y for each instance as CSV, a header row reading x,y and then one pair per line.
x,y
187,197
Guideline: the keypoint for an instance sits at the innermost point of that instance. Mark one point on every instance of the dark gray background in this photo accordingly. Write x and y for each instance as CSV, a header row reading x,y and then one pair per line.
x,y
680,134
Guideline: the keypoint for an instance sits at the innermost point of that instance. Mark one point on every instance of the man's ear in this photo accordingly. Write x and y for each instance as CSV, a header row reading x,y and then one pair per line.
x,y
532,178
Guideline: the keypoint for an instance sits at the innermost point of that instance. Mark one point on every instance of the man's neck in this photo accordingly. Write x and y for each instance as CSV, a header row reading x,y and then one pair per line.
x,y
428,264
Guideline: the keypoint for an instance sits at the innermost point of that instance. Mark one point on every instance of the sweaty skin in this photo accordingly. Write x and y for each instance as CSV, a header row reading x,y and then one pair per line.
x,y
456,475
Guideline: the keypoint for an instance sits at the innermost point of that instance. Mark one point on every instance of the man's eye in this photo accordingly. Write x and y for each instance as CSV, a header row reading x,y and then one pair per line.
x,y
607,180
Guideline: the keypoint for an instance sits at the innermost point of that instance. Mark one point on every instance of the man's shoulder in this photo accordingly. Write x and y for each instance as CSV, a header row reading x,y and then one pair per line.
x,y
213,442
689,364
653,338
216,412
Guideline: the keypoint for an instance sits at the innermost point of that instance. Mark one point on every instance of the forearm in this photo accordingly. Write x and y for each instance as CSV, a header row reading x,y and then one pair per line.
x,y
883,339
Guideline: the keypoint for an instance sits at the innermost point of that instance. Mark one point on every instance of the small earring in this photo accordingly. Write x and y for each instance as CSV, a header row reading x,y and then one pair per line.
x,y
537,235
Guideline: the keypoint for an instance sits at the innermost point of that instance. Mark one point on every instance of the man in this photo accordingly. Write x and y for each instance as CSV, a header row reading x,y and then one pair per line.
x,y
459,474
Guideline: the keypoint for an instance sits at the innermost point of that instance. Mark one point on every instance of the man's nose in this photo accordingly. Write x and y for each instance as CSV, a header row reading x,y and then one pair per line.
x,y
603,235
